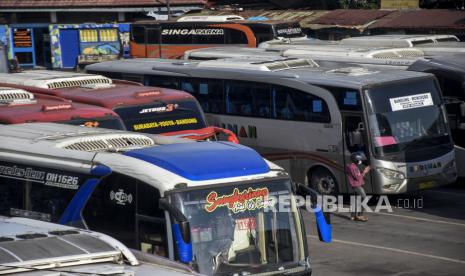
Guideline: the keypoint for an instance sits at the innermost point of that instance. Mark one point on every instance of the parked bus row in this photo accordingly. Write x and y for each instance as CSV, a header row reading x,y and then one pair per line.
x,y
214,206
39,96
309,118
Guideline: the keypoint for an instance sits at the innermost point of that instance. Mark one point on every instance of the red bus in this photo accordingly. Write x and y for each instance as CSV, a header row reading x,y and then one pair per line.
x,y
141,108
21,106
170,39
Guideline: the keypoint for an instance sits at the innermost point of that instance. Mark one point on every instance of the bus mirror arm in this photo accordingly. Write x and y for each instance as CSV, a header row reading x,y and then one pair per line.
x,y
181,231
323,219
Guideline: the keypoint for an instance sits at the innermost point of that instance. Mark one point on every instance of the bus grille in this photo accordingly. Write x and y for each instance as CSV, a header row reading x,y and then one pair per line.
x,y
77,83
110,144
404,53
13,95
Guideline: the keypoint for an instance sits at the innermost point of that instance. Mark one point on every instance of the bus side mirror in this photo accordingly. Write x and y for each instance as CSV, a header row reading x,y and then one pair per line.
x,y
356,136
181,231
323,219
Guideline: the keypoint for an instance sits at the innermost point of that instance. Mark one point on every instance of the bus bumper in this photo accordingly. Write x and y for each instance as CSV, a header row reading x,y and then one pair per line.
x,y
420,183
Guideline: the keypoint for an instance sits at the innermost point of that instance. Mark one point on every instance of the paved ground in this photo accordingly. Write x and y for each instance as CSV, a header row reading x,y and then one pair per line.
x,y
409,241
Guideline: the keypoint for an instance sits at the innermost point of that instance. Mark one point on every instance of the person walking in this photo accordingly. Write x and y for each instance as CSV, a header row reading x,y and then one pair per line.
x,y
356,181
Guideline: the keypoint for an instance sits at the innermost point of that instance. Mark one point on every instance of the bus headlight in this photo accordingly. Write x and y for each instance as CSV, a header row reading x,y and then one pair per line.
x,y
391,174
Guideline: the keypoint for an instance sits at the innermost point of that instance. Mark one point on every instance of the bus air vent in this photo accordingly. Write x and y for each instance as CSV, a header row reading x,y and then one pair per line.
x,y
287,64
399,53
352,71
108,143
77,82
15,96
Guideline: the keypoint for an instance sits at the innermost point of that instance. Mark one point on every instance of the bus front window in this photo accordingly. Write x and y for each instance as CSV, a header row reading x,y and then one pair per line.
x,y
159,117
235,230
110,122
406,116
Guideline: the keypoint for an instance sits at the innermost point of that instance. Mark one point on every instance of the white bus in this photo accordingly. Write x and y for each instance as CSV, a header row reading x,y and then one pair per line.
x,y
309,119
200,203
32,247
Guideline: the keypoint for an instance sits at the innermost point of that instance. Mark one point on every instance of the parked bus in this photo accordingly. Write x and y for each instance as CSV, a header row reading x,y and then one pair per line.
x,y
32,247
21,106
142,109
170,39
448,69
206,204
309,119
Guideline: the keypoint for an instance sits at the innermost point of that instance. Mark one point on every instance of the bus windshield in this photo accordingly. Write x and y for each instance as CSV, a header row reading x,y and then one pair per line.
x,y
406,116
107,122
235,230
160,117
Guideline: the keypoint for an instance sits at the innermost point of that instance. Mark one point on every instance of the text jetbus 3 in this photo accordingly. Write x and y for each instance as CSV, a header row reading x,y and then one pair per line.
x,y
212,205
142,109
309,119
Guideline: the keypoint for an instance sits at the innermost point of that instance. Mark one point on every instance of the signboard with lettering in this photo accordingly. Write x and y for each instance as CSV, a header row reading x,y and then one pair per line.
x,y
413,101
22,37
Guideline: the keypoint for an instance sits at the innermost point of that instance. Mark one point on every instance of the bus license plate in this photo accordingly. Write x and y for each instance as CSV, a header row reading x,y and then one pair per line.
x,y
427,185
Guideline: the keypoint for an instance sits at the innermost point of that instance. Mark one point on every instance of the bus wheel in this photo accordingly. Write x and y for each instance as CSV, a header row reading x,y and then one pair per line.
x,y
323,181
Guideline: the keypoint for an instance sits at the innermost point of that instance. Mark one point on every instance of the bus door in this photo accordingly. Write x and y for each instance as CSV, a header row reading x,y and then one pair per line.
x,y
127,209
355,139
152,42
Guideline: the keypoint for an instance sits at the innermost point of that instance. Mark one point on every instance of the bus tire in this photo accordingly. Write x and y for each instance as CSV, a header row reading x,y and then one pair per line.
x,y
323,181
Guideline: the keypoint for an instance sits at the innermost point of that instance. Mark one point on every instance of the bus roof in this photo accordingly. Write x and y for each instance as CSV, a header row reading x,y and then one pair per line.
x,y
159,160
81,88
409,40
20,106
35,244
354,77
54,79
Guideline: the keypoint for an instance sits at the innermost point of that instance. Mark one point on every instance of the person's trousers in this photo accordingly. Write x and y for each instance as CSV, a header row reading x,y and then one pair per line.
x,y
359,193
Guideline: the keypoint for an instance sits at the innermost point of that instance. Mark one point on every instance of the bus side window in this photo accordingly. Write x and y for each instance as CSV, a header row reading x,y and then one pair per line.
x,y
127,209
12,195
174,36
51,201
111,209
138,34
291,104
208,92
208,39
233,36
162,81
153,36
247,99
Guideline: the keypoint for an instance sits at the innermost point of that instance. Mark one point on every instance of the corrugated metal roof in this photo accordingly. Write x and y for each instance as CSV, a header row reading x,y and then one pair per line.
x,y
350,17
21,4
423,19
304,17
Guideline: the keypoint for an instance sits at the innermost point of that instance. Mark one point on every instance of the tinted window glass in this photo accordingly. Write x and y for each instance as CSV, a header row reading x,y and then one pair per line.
x,y
235,37
190,35
162,81
207,91
153,36
138,34
37,189
247,99
160,117
346,98
291,104
127,209
111,209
